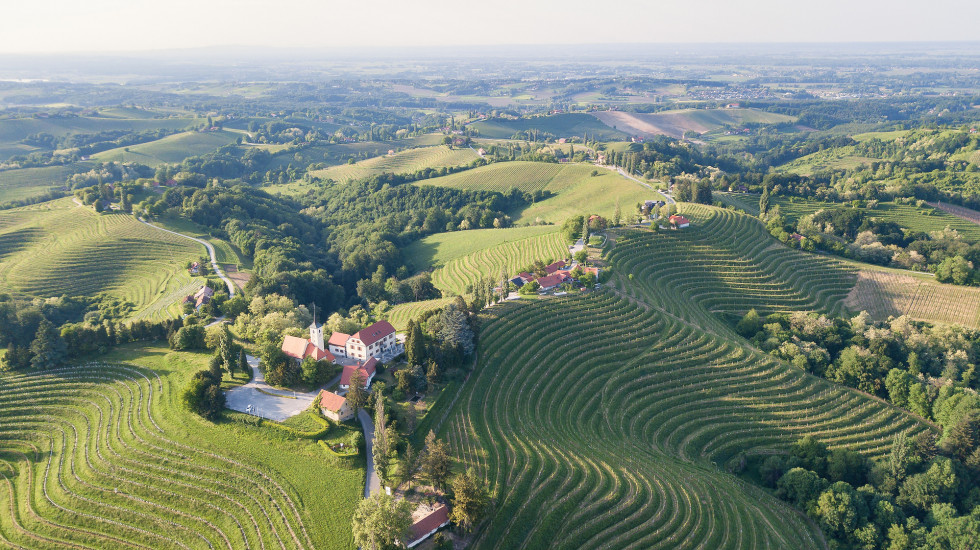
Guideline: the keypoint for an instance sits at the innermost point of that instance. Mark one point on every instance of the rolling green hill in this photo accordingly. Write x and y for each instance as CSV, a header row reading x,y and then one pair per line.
x,y
12,130
24,183
402,162
576,190
600,422
676,123
563,125
104,455
439,249
171,149
58,248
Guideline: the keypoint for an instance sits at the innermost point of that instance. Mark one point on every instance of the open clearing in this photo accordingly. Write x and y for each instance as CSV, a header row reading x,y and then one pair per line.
x,y
171,149
58,248
576,190
887,293
402,162
676,123
103,455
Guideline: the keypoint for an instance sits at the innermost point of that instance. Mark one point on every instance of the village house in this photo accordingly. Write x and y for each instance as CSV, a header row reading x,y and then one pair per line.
x,y
552,281
367,370
200,297
299,348
551,268
377,340
335,406
678,221
428,525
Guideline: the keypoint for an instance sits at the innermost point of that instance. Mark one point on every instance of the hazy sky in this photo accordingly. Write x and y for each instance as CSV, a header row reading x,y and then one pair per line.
x,y
120,25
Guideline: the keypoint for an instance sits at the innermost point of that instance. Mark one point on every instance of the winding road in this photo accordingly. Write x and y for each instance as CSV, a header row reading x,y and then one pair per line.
x,y
207,245
670,200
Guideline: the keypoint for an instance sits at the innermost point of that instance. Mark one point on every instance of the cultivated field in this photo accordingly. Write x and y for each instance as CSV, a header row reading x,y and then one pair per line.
x,y
564,125
12,130
402,162
727,263
24,183
103,455
577,190
437,250
401,314
603,423
459,275
58,248
676,123
888,293
171,149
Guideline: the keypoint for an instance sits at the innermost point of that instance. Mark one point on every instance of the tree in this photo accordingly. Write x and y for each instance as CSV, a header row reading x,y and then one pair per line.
x,y
617,214
470,500
356,396
410,463
403,380
764,202
837,508
381,522
432,374
48,348
243,363
962,437
414,344
381,447
456,331
750,324
800,487
956,270
436,461
203,394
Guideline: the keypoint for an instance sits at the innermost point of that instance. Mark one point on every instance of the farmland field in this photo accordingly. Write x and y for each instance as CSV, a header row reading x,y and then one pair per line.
x,y
104,455
458,275
13,130
889,293
908,216
676,123
171,149
564,125
24,183
58,248
576,190
407,161
610,424
401,314
436,250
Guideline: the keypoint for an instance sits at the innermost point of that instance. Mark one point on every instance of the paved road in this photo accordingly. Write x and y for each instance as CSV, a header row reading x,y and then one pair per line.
x,y
670,200
372,483
207,245
265,405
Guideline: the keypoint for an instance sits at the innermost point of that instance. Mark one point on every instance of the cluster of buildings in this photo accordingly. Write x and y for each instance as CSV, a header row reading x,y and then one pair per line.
x,y
556,274
357,353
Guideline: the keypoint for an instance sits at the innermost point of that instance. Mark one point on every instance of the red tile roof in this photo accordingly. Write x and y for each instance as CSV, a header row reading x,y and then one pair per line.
x,y
428,524
678,220
298,348
294,347
367,370
551,281
549,269
331,401
338,339
373,333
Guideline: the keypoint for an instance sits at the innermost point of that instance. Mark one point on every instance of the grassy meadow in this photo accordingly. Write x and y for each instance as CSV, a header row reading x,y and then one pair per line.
x,y
170,149
402,162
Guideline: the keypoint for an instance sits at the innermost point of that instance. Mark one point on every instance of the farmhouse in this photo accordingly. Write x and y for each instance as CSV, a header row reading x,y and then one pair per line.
x,y
299,348
200,297
377,340
428,525
367,370
678,221
335,406
549,269
552,281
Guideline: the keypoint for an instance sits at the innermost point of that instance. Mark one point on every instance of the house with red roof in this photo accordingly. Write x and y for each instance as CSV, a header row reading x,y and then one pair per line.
x,y
300,348
549,269
367,370
335,406
428,525
338,344
551,281
678,221
376,340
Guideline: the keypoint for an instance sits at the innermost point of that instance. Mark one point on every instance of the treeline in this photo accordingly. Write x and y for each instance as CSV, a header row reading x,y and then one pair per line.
x,y
924,495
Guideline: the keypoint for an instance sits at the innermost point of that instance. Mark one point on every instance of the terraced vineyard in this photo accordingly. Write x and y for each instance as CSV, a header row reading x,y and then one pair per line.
x,y
401,314
171,149
603,423
407,161
57,248
727,263
28,182
501,176
103,456
889,293
457,276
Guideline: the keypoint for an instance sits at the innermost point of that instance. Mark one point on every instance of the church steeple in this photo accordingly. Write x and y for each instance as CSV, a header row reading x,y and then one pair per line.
x,y
316,332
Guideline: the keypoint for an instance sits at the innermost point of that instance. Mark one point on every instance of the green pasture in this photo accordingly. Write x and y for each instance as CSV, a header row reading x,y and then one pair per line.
x,y
170,149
